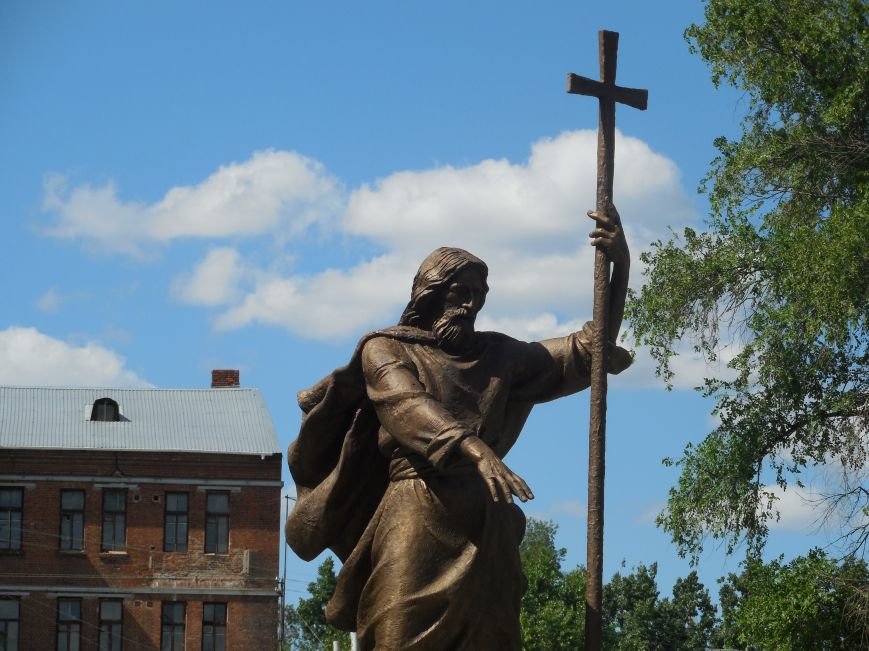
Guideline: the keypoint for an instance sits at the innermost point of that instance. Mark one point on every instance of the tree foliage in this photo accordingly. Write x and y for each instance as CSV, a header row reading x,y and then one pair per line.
x,y
305,623
553,608
634,617
637,619
780,276
810,603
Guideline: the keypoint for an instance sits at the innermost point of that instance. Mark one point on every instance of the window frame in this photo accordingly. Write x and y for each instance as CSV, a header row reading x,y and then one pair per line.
x,y
216,625
68,628
67,543
213,520
112,628
10,543
6,622
175,514
173,626
114,515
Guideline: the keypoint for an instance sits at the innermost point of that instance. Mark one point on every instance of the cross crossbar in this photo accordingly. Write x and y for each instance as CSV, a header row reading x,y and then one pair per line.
x,y
634,97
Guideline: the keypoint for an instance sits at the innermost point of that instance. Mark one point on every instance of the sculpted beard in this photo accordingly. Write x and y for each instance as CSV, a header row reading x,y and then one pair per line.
x,y
454,330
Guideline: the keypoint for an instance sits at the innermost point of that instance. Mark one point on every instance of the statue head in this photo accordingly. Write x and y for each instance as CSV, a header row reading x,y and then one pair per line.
x,y
449,289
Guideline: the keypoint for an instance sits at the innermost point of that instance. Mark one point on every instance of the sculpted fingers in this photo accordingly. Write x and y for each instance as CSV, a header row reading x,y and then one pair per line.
x,y
501,482
499,487
520,488
505,488
609,235
493,488
608,218
601,218
604,237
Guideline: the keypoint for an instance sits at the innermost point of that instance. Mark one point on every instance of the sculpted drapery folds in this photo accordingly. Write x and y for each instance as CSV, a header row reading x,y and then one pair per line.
x,y
398,464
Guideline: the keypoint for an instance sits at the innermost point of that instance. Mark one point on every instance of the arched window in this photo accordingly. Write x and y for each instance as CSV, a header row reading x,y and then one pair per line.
x,y
105,409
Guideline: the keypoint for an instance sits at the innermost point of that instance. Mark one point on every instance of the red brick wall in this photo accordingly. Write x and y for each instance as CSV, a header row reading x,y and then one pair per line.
x,y
251,623
252,562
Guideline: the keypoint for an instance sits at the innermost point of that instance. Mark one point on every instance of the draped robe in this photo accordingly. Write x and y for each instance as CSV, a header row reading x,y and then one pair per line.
x,y
431,561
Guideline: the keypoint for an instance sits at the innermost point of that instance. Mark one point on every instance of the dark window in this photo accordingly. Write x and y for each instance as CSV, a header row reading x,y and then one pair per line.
x,y
68,624
105,409
214,627
111,625
217,522
11,504
175,529
72,519
172,638
8,625
114,520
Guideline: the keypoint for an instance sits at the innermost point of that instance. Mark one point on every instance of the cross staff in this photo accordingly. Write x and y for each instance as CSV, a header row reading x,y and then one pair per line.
x,y
608,93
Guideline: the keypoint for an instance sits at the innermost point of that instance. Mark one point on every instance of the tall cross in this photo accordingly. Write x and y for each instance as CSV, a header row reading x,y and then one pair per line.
x,y
608,93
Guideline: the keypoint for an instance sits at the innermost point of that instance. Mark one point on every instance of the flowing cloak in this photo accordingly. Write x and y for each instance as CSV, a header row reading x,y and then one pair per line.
x,y
430,560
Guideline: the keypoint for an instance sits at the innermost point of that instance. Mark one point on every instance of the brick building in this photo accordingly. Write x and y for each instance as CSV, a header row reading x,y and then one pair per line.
x,y
138,519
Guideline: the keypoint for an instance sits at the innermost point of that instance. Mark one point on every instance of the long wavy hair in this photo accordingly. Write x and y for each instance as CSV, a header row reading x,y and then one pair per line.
x,y
433,274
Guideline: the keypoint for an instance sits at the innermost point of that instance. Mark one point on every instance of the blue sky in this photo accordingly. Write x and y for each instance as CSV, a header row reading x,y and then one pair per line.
x,y
196,185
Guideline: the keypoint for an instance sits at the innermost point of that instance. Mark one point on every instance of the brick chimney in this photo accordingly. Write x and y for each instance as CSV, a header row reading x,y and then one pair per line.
x,y
222,378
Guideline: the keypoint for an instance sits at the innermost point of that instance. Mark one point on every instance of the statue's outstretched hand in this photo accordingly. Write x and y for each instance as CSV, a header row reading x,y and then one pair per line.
x,y
503,483
609,235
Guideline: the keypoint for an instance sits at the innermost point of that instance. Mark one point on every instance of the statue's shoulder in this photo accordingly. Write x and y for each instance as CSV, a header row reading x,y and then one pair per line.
x,y
403,333
350,375
393,337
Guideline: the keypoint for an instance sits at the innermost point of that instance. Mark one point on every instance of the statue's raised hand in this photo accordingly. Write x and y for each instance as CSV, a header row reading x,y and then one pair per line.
x,y
503,483
609,235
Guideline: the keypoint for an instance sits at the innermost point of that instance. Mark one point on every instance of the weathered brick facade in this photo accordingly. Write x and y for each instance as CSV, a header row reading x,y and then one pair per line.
x,y
39,573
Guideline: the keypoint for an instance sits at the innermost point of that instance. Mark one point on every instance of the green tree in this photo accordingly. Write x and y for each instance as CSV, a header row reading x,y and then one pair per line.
x,y
553,608
630,609
780,275
637,619
689,617
305,623
805,604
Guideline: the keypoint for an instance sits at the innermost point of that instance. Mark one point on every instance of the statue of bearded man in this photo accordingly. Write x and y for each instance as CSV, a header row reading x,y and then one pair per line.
x,y
398,464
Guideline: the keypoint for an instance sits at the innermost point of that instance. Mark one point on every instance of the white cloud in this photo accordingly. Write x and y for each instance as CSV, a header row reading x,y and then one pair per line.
x,y
279,193
49,302
539,205
214,281
30,358
799,508
527,221
327,305
822,502
689,369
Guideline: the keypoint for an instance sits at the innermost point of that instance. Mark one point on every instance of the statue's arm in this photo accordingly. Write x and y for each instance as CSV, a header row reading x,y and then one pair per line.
x,y
419,422
609,235
413,417
557,367
553,368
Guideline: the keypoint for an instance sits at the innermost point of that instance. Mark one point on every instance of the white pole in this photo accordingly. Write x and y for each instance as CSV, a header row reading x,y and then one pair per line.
x,y
336,646
354,642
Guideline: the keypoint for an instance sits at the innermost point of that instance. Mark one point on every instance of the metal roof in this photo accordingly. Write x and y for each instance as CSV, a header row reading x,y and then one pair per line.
x,y
224,421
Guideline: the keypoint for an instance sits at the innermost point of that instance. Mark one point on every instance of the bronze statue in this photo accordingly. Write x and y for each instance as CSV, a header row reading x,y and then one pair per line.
x,y
398,464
